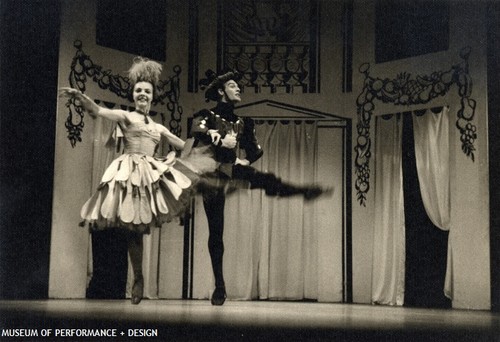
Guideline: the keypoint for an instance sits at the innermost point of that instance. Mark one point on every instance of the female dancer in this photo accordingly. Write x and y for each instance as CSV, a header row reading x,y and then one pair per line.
x,y
137,190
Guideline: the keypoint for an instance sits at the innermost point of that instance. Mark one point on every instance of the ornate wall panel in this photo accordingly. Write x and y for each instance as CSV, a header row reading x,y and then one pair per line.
x,y
407,90
274,44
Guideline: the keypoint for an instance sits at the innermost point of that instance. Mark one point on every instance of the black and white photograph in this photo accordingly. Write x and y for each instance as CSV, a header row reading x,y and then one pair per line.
x,y
250,170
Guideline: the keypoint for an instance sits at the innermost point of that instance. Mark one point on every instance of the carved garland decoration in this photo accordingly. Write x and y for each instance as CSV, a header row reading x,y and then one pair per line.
x,y
406,91
83,68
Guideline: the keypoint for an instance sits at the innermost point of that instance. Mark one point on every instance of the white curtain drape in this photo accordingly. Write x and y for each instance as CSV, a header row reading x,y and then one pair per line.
x,y
282,248
274,241
431,134
388,274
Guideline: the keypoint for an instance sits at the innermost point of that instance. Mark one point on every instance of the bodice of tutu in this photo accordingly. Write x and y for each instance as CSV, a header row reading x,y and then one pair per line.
x,y
141,138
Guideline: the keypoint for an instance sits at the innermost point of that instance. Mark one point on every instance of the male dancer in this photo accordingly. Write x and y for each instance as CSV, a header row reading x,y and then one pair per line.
x,y
225,132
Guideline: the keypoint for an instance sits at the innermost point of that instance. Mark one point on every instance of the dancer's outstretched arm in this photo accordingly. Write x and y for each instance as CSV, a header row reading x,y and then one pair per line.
x,y
91,107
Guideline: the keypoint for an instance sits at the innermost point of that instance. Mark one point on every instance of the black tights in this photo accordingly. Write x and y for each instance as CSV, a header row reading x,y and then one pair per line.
x,y
135,247
213,201
272,185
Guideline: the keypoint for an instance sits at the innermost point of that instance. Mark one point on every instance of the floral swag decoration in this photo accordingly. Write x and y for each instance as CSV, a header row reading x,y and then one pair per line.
x,y
82,68
406,91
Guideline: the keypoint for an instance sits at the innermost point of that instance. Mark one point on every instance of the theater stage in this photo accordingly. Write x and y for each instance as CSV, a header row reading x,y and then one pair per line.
x,y
198,320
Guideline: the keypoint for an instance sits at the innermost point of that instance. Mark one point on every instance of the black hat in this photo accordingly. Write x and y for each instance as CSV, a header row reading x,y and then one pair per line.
x,y
214,82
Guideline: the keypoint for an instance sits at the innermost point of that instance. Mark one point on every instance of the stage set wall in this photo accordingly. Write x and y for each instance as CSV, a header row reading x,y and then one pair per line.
x,y
469,180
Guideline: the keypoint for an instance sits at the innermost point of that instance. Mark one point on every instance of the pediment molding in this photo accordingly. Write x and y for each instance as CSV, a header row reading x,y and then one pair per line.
x,y
268,109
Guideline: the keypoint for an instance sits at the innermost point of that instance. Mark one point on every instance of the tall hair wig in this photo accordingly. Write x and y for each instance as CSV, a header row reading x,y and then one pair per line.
x,y
145,70
217,82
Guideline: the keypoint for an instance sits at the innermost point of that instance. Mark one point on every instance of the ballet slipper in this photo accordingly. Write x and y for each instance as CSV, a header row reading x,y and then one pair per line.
x,y
219,295
137,290
314,192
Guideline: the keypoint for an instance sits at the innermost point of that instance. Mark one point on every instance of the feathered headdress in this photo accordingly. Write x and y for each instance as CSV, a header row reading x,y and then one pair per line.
x,y
145,70
215,82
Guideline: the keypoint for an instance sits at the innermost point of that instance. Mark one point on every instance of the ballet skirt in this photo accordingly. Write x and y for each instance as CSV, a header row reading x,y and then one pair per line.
x,y
138,190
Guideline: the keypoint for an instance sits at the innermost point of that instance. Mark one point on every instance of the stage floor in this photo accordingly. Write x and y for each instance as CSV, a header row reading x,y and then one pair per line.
x,y
198,320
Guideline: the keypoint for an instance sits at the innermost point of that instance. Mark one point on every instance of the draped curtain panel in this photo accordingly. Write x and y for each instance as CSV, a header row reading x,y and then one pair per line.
x,y
273,245
388,272
281,263
431,134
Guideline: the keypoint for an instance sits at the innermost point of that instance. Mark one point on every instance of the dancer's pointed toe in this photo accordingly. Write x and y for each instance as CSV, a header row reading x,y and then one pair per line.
x,y
137,291
219,296
317,191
